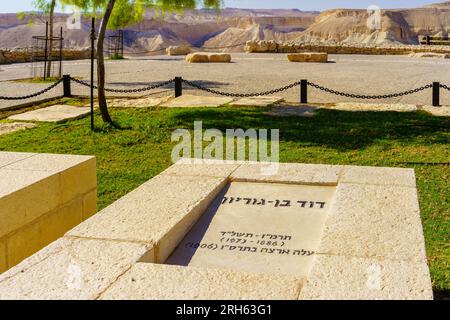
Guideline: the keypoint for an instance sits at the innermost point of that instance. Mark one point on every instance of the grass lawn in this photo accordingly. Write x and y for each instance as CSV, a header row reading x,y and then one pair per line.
x,y
141,149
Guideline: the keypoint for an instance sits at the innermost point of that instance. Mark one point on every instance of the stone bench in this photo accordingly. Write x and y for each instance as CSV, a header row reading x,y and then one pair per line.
x,y
42,196
366,239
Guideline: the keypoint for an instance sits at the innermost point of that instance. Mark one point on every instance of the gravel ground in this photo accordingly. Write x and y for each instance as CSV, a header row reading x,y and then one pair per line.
x,y
371,75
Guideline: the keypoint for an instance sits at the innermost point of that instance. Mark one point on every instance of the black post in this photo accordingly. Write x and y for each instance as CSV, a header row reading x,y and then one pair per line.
x,y
46,50
92,71
60,51
66,85
428,40
304,91
436,87
178,87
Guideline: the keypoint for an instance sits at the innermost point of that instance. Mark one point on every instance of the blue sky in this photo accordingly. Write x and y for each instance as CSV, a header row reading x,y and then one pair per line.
x,y
24,5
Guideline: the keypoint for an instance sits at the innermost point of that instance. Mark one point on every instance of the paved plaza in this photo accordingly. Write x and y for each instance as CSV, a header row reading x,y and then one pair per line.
x,y
250,73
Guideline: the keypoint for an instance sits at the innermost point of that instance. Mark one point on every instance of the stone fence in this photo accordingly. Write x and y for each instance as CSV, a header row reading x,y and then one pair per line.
x,y
291,47
26,55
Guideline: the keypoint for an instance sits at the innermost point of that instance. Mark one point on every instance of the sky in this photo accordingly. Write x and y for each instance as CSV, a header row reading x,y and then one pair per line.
x,y
318,5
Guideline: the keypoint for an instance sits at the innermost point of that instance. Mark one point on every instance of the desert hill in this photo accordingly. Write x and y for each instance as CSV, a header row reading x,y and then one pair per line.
x,y
235,26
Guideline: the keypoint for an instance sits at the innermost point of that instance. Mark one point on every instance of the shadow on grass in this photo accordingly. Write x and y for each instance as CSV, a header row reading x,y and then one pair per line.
x,y
333,129
441,294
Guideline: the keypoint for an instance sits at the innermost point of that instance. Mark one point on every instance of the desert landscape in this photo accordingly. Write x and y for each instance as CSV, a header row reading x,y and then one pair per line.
x,y
206,28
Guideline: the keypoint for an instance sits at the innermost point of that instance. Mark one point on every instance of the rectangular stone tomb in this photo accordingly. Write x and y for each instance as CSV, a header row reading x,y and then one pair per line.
x,y
259,227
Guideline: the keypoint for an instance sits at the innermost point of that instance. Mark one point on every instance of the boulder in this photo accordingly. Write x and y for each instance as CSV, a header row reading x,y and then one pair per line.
x,y
3,59
178,50
197,57
200,57
261,46
219,57
308,57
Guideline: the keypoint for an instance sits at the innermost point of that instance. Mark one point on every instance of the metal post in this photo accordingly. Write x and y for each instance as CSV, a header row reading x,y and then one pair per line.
x,y
92,71
304,91
178,87
60,51
436,87
66,85
46,50
428,38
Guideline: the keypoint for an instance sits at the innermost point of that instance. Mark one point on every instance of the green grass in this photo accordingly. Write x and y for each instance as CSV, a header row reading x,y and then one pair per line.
x,y
141,148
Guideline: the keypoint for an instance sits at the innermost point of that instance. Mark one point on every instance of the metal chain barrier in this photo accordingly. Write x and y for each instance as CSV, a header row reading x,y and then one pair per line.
x,y
443,86
367,97
155,86
241,95
33,94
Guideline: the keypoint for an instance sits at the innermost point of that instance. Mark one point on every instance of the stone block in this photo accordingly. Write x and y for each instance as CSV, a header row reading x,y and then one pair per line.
x,y
152,281
202,167
7,158
25,196
89,204
288,173
379,175
160,212
320,57
263,101
351,278
32,237
197,58
192,101
178,50
375,221
219,58
71,269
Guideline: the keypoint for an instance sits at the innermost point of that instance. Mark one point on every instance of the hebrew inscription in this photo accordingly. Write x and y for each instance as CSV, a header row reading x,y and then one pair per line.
x,y
259,227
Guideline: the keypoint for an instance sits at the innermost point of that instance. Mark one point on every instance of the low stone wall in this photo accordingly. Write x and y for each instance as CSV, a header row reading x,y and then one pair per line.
x,y
25,55
275,47
42,196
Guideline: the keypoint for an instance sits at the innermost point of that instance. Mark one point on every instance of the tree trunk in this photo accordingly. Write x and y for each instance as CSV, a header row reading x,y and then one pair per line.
x,y
50,49
101,63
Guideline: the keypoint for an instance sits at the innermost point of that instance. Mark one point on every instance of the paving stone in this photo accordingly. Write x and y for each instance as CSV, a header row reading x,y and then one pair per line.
x,y
9,127
363,106
263,101
443,111
349,278
152,281
57,113
72,269
145,102
191,101
287,110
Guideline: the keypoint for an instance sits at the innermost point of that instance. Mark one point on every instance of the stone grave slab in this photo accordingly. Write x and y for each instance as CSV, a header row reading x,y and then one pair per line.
x,y
57,113
264,101
10,127
192,101
259,227
230,231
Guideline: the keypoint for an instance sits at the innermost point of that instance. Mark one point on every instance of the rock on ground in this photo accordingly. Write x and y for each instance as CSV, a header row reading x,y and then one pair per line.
x,y
308,57
200,57
430,55
9,127
178,50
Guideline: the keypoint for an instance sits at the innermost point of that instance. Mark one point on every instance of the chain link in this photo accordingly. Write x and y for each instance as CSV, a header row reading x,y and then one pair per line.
x,y
367,97
155,86
241,95
33,94
443,86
